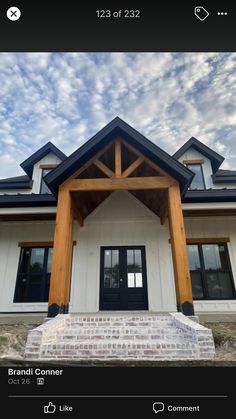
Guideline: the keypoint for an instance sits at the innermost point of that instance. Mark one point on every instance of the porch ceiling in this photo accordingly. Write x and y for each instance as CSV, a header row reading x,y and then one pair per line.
x,y
87,202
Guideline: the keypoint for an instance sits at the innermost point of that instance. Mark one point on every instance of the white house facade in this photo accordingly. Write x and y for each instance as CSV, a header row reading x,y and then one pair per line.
x,y
119,225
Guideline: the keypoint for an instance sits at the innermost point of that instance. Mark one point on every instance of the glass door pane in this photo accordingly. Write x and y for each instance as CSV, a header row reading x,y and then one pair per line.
x,y
134,268
111,268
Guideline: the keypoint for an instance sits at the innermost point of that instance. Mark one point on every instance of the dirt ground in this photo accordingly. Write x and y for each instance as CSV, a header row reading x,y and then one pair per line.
x,y
13,338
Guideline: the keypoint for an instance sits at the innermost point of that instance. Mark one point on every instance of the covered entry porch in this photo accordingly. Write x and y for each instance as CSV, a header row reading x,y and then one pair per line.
x,y
118,166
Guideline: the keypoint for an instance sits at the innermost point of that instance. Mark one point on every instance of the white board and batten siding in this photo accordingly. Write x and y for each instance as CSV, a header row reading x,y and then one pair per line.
x,y
122,220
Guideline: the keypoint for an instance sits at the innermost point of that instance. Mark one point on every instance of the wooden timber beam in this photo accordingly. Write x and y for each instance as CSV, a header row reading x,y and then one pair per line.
x,y
90,162
146,159
48,166
62,255
193,161
77,213
39,244
163,213
80,219
208,240
118,163
133,166
179,253
101,166
113,184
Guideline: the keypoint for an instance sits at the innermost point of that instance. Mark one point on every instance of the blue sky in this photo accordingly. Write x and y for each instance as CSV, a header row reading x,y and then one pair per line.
x,y
66,98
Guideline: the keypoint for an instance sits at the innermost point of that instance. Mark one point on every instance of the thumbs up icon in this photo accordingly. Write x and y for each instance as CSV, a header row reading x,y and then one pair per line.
x,y
51,408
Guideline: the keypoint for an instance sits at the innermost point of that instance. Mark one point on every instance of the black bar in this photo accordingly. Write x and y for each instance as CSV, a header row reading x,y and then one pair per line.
x,y
74,26
97,392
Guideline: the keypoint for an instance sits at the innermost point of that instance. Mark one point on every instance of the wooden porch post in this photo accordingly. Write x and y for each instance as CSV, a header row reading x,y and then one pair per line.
x,y
179,252
62,255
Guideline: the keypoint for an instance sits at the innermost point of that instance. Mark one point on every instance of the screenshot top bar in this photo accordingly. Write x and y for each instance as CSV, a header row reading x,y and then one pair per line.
x,y
154,26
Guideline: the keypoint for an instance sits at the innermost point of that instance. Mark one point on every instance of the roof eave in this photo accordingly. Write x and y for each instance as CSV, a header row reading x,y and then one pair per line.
x,y
16,185
212,195
224,179
25,200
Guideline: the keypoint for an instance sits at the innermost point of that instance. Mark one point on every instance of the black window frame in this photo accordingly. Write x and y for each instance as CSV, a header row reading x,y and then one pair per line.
x,y
44,282
189,166
43,182
204,272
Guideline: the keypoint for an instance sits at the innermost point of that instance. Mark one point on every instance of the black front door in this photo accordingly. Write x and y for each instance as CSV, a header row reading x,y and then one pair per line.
x,y
123,284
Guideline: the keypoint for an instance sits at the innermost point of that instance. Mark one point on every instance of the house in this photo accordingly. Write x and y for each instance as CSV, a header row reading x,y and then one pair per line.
x,y
119,225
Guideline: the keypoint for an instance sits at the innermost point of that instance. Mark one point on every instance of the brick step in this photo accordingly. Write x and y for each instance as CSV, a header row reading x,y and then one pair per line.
x,y
123,334
120,315
137,338
161,343
112,319
117,324
104,327
128,335
120,337
124,350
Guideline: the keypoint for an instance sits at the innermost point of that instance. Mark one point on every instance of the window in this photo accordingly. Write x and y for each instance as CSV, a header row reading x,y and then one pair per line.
x,y
33,278
198,181
44,188
210,272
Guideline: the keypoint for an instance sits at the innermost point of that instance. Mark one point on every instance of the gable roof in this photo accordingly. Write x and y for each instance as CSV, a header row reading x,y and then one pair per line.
x,y
17,182
27,165
118,128
215,158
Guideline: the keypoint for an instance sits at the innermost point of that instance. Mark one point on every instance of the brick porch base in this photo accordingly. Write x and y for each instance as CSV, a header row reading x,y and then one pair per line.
x,y
120,336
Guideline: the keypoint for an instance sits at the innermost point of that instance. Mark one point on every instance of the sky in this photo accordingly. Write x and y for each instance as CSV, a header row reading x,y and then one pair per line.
x,y
67,97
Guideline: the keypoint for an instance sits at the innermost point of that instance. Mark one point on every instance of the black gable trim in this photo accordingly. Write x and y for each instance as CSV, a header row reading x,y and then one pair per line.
x,y
210,195
18,182
28,164
27,200
118,128
215,158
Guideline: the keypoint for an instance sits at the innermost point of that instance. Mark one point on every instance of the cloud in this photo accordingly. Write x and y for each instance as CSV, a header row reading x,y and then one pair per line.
x,y
67,98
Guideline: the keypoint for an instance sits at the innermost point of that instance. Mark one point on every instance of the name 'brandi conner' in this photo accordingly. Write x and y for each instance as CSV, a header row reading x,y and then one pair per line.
x,y
34,371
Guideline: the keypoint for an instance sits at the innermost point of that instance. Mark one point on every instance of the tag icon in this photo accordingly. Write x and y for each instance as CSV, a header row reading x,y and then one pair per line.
x,y
201,13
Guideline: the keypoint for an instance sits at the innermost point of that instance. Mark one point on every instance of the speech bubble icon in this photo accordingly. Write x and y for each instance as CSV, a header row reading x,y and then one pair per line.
x,y
158,407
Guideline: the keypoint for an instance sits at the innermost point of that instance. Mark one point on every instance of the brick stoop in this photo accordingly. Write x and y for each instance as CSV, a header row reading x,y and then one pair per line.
x,y
120,336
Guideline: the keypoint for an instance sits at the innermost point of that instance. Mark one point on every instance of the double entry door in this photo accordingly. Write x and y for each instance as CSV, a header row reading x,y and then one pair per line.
x,y
123,279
